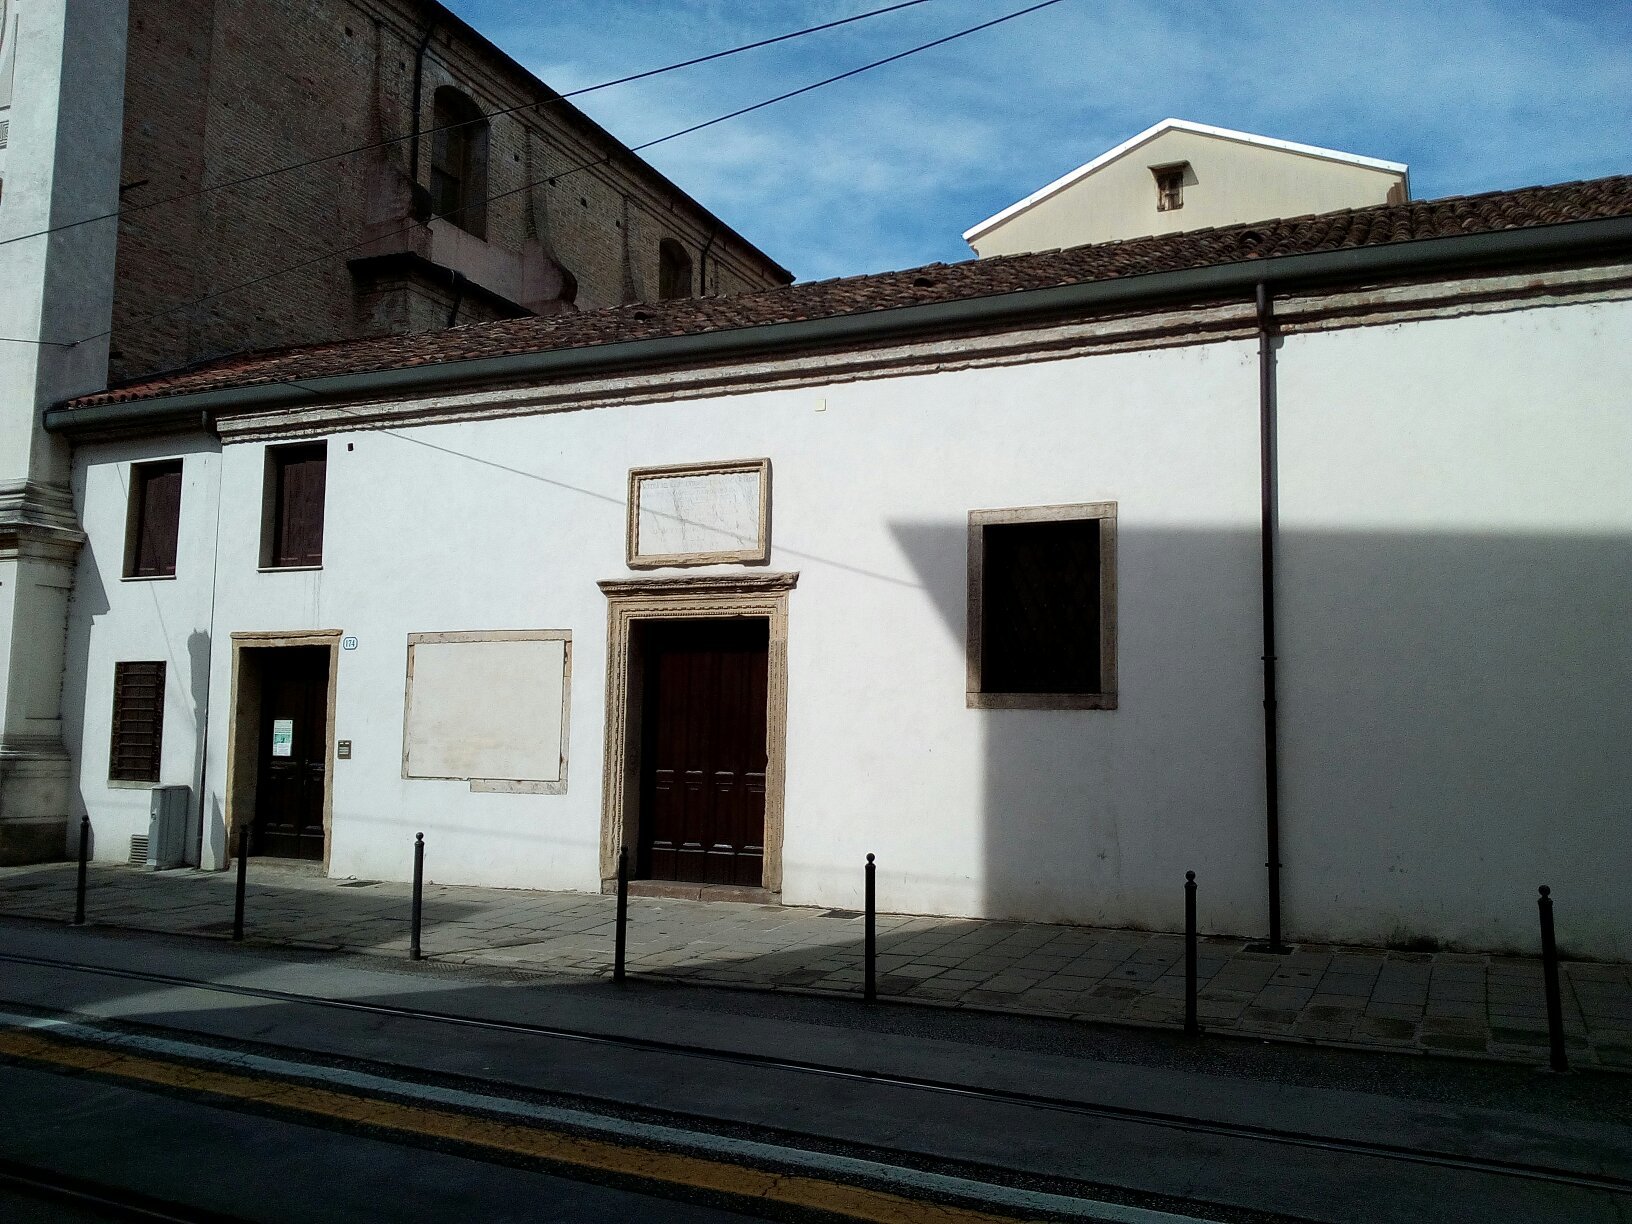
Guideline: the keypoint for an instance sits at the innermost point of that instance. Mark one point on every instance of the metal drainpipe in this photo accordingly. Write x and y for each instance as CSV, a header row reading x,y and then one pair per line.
x,y
419,86
1267,491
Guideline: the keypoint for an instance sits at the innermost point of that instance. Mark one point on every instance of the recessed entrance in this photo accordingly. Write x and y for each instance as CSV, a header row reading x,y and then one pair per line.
x,y
703,752
282,741
696,733
292,770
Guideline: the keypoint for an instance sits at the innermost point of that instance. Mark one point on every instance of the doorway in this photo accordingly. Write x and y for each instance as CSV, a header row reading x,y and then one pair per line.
x,y
696,734
703,752
281,744
291,778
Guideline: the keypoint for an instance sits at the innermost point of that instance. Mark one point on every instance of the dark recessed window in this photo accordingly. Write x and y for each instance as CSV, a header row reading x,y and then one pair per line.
x,y
292,532
138,722
1042,607
1169,186
459,161
673,271
154,520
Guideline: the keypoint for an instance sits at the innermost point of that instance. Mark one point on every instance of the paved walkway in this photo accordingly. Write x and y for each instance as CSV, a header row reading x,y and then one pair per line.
x,y
1490,1006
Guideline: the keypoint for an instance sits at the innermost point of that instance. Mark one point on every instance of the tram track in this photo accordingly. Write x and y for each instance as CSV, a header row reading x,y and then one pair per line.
x,y
1489,1166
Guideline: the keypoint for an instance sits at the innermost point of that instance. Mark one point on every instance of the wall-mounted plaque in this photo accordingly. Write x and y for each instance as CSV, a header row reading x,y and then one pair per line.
x,y
700,514
489,708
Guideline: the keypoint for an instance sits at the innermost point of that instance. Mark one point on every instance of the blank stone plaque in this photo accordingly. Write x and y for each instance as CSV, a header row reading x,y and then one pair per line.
x,y
700,514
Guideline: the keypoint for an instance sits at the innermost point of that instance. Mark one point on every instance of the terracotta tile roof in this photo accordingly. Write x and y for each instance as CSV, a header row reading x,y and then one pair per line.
x,y
976,278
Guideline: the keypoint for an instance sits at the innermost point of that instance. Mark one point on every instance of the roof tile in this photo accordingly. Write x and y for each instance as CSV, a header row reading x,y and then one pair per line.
x,y
1345,229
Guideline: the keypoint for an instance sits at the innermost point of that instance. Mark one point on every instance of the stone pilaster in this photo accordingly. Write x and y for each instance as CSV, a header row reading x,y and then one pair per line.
x,y
62,166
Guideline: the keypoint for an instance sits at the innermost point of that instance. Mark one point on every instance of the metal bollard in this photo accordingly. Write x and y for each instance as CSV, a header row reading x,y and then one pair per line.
x,y
620,938
869,951
84,858
1549,974
1192,1027
419,896
243,876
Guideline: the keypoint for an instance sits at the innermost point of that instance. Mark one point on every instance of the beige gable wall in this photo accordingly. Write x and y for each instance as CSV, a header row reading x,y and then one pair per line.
x,y
1229,181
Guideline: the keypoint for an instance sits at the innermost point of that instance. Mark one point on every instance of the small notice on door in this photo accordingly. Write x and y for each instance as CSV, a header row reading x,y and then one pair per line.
x,y
283,736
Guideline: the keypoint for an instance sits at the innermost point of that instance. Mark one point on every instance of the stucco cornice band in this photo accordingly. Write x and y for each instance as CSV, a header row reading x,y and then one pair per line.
x,y
700,585
1600,238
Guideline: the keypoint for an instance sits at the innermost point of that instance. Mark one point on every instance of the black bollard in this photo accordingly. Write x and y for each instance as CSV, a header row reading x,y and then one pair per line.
x,y
1192,1027
869,951
1549,974
419,895
620,937
84,858
243,876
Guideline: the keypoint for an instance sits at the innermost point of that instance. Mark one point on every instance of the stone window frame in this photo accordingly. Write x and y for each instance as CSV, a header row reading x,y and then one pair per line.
x,y
1106,698
501,786
760,554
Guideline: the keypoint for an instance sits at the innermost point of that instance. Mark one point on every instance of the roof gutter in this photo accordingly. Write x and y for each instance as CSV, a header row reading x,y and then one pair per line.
x,y
1278,273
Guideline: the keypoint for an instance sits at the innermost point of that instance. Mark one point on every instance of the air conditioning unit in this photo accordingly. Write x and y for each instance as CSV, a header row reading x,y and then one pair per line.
x,y
167,830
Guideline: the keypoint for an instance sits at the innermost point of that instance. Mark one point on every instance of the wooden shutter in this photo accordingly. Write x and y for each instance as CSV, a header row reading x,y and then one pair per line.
x,y
138,722
1040,619
156,519
301,475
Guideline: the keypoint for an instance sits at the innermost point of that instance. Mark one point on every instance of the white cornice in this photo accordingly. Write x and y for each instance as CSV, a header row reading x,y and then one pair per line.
x,y
1131,331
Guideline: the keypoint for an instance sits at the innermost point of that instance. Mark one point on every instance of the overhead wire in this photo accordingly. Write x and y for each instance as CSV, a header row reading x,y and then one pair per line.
x,y
556,177
507,110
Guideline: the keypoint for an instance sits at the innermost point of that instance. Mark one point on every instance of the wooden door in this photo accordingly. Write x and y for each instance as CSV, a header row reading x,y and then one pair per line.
x,y
294,753
703,751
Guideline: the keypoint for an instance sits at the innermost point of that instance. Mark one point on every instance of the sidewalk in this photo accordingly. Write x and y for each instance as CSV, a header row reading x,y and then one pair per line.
x,y
1471,1005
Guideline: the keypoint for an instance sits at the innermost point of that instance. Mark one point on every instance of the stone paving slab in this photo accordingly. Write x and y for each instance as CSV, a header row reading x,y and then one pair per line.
x,y
1449,1003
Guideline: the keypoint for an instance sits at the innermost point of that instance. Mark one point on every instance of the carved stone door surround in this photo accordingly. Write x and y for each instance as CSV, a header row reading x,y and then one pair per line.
x,y
701,596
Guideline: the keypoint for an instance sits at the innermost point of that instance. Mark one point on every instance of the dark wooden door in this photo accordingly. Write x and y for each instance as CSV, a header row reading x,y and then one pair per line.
x,y
703,752
294,752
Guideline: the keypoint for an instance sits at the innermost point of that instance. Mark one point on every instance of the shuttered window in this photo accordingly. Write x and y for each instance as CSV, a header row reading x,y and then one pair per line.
x,y
1042,607
154,520
297,476
138,722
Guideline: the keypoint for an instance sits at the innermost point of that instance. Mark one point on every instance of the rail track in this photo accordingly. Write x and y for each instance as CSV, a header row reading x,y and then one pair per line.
x,y
1274,1136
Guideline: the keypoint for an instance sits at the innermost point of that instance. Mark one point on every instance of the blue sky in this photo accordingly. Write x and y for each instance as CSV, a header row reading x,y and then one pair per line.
x,y
888,169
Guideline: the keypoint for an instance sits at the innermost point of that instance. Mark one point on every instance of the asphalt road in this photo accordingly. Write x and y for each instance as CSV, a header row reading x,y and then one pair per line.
x,y
325,1088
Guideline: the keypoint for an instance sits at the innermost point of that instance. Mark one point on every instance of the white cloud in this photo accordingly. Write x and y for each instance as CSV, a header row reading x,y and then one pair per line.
x,y
887,169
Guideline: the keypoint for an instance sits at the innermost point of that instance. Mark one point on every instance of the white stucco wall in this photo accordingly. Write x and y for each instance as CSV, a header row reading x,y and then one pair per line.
x,y
114,619
1454,495
1456,616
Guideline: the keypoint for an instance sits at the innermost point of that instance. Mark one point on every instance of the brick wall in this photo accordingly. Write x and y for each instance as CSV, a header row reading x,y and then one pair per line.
x,y
220,89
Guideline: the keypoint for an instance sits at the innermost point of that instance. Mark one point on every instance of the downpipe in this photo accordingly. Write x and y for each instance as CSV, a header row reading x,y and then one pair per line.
x,y
1267,528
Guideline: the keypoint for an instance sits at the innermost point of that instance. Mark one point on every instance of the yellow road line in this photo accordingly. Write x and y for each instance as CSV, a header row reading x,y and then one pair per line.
x,y
524,1140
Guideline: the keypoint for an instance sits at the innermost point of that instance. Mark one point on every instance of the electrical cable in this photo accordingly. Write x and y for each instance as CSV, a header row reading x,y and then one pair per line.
x,y
554,178
508,110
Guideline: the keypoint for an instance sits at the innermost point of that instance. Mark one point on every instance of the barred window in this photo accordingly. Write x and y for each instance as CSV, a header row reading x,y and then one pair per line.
x,y
138,722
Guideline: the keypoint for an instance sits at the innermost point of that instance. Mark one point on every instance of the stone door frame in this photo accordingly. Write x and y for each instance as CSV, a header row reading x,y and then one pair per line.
x,y
693,597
